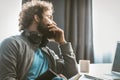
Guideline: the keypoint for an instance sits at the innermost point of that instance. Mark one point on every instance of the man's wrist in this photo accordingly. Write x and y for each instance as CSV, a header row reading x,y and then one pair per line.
x,y
63,42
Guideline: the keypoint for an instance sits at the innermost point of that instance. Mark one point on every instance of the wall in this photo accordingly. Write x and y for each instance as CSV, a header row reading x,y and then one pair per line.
x,y
9,11
106,23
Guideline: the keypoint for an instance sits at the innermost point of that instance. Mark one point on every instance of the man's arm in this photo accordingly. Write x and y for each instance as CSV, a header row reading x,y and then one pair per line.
x,y
8,59
68,65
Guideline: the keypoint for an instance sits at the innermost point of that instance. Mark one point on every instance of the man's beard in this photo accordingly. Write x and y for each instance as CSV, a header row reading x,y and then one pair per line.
x,y
45,31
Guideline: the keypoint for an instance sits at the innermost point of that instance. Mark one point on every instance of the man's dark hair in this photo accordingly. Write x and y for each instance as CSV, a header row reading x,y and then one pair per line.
x,y
29,9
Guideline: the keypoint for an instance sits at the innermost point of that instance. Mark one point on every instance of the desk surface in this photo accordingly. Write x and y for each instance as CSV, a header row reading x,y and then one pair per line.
x,y
100,68
100,71
97,69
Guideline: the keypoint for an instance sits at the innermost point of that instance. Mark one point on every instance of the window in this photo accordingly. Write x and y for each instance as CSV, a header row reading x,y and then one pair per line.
x,y
106,29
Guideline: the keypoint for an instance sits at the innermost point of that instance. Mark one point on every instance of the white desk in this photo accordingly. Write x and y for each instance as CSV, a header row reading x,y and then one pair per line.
x,y
98,69
95,70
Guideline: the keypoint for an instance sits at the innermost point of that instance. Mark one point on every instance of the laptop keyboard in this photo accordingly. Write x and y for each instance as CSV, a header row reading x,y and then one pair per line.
x,y
102,77
88,77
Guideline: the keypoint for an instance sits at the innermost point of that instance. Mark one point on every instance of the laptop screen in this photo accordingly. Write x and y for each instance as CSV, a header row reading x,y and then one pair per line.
x,y
116,62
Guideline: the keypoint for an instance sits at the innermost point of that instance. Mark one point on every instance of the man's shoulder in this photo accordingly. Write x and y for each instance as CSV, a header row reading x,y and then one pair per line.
x,y
11,40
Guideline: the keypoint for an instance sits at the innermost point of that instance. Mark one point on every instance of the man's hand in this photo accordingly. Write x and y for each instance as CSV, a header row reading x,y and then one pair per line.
x,y
58,34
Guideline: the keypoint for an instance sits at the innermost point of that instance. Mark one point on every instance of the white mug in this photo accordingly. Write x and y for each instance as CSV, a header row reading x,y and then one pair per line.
x,y
84,66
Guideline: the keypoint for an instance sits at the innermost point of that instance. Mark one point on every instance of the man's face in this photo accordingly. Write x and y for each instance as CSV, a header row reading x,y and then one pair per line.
x,y
44,24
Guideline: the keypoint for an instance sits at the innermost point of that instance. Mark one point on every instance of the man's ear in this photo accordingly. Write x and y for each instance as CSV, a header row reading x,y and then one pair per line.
x,y
36,18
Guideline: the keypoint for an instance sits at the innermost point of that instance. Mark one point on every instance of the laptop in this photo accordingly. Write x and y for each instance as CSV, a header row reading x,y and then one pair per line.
x,y
116,63
115,72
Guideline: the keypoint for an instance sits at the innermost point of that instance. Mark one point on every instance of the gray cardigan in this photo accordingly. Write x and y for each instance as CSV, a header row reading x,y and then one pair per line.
x,y
16,57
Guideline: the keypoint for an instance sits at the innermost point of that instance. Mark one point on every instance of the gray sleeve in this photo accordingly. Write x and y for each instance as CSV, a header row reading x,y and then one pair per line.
x,y
67,65
8,58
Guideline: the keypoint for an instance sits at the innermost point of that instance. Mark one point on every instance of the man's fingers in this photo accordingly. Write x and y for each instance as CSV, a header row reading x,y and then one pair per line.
x,y
55,29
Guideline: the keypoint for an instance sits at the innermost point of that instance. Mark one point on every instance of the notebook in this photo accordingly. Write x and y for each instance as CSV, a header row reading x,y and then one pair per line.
x,y
115,72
